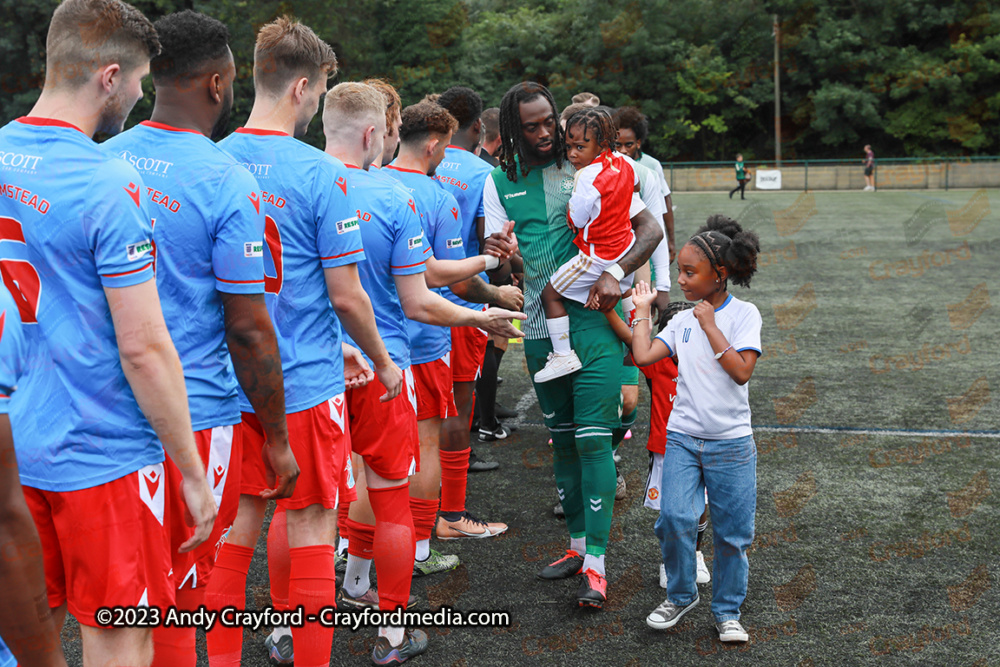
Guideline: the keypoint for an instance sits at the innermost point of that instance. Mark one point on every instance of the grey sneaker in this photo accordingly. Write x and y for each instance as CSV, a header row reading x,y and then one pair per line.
x,y
436,562
558,509
667,614
731,631
279,652
369,599
414,643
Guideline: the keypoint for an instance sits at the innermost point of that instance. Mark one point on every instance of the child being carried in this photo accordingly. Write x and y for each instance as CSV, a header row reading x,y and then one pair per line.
x,y
605,199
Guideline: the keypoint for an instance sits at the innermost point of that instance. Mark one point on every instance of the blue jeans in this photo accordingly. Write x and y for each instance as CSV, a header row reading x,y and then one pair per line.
x,y
728,468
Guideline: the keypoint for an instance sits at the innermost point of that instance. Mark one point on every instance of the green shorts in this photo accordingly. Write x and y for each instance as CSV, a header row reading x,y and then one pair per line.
x,y
630,375
586,397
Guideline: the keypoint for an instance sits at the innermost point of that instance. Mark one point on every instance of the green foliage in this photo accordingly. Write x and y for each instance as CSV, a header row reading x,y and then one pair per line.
x,y
910,77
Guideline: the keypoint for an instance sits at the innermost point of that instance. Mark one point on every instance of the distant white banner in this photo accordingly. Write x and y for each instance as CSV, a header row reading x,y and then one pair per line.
x,y
769,179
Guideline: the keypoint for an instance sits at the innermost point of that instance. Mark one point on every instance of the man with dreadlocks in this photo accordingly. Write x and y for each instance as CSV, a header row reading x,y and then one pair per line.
x,y
532,187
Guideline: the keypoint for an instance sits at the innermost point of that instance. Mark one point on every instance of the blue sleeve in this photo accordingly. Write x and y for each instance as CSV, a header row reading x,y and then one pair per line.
x,y
447,225
118,227
238,247
12,350
338,234
408,246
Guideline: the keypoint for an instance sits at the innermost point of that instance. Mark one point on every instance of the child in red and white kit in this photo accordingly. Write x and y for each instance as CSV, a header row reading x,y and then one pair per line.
x,y
661,377
605,199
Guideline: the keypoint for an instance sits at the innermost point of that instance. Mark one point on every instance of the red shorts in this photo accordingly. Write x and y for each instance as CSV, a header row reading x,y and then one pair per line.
x,y
218,447
435,393
105,546
321,448
468,346
385,434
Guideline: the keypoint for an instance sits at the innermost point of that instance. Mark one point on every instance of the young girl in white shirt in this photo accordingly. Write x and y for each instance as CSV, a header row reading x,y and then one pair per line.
x,y
709,439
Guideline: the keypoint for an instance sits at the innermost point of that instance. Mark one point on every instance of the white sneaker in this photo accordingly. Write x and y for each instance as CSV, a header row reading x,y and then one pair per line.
x,y
559,365
663,577
731,631
703,576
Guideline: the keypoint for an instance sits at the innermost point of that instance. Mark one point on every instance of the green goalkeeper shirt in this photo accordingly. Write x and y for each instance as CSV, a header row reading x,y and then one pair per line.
x,y
537,204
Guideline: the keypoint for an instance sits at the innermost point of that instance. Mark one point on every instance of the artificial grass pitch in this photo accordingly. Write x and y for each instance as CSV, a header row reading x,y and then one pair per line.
x,y
876,415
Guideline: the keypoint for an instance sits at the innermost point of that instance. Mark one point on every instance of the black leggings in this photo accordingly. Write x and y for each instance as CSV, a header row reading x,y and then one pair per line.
x,y
742,185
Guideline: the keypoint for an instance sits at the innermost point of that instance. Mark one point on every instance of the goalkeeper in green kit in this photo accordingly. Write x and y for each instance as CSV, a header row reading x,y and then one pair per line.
x,y
532,186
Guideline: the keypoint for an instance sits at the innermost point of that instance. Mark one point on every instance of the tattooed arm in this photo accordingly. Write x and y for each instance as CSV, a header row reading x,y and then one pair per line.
x,y
648,234
254,349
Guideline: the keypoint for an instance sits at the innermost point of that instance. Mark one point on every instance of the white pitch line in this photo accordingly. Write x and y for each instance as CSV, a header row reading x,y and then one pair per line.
x,y
523,404
887,432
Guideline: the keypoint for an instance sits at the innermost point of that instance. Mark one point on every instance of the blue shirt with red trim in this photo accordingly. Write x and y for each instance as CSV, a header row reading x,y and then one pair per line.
x,y
309,225
208,238
72,223
464,175
441,222
394,246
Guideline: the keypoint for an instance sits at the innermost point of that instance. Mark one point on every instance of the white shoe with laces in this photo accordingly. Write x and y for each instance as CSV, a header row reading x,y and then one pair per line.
x,y
558,365
731,631
703,576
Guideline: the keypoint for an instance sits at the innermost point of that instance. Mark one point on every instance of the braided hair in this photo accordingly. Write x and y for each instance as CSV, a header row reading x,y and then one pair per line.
x,y
668,313
599,121
726,244
511,139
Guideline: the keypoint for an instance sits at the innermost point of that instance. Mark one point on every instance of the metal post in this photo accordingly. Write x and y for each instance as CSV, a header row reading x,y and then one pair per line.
x,y
777,96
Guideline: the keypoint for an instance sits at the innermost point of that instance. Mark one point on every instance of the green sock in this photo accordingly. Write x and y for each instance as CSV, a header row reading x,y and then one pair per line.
x,y
628,421
598,482
566,466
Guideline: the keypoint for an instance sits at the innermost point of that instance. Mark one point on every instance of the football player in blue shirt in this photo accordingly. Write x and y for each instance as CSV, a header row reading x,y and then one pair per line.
x,y
208,234
312,247
464,175
424,135
103,394
384,434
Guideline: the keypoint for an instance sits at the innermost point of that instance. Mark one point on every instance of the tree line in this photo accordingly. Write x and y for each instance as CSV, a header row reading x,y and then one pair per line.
x,y
910,77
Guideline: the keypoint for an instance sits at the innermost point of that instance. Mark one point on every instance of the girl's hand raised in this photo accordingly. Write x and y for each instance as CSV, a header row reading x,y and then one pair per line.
x,y
643,297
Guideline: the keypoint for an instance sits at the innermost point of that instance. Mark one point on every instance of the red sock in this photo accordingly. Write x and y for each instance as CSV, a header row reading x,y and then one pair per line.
x,y
278,561
342,517
227,588
361,538
424,514
173,646
454,477
313,586
394,545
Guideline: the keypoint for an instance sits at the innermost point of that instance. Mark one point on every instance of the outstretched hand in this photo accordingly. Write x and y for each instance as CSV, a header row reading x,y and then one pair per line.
x,y
498,321
643,296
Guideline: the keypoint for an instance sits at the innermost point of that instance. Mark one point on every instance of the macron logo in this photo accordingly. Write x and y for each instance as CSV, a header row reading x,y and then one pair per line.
x,y
255,200
342,183
515,194
133,191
